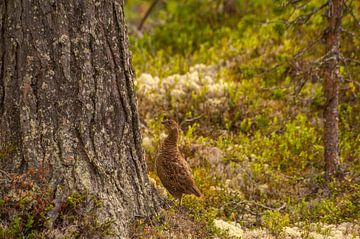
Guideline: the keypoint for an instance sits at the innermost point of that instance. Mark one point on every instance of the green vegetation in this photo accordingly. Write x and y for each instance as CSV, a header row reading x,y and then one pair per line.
x,y
257,99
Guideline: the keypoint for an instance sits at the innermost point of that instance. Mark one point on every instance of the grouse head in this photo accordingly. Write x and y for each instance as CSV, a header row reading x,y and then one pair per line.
x,y
170,125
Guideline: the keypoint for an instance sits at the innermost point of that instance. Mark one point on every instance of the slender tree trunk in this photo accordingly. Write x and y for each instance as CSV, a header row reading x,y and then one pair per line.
x,y
147,14
67,101
331,88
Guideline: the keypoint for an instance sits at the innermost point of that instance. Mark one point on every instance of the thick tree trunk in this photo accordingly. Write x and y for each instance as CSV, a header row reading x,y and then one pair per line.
x,y
331,89
67,101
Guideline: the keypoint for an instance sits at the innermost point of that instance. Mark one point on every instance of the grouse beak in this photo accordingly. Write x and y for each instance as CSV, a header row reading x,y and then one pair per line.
x,y
163,121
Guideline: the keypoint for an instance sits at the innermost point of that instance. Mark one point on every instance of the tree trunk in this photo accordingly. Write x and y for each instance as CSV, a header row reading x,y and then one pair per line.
x,y
67,101
331,88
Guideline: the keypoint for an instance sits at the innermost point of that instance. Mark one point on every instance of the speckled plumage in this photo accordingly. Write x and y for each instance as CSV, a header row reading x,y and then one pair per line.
x,y
171,167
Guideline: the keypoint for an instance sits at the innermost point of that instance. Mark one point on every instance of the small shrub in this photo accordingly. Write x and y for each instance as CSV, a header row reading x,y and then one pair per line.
x,y
275,221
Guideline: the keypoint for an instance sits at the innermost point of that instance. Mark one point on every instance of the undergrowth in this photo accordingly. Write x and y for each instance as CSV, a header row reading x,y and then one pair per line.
x,y
29,208
255,104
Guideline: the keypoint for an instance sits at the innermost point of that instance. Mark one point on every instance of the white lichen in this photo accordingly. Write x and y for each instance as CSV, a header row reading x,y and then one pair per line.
x,y
232,228
202,84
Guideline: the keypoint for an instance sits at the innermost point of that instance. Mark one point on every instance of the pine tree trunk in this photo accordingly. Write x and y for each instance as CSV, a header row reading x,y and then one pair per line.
x,y
67,101
331,89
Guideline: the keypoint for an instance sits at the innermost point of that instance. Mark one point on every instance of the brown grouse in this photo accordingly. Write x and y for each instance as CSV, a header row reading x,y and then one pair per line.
x,y
172,169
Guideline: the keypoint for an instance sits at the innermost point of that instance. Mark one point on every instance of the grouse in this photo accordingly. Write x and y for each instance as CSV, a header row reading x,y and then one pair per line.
x,y
173,170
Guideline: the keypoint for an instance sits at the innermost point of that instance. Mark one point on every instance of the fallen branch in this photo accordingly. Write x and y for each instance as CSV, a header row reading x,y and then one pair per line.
x,y
247,203
283,206
191,119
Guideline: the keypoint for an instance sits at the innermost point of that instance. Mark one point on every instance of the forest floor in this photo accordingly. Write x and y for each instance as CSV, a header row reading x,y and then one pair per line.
x,y
243,79
239,202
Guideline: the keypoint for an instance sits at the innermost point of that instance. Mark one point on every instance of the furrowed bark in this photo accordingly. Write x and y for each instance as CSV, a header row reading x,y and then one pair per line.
x,y
67,102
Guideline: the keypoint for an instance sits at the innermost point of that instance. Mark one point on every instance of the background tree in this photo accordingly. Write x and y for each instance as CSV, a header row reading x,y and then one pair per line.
x,y
330,62
67,102
331,88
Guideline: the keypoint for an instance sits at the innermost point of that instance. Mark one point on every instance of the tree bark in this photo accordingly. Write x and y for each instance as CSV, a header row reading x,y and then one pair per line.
x,y
331,88
67,102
